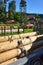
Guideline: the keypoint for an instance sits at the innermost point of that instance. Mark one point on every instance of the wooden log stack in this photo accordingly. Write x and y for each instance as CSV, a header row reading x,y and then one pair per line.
x,y
9,51
6,38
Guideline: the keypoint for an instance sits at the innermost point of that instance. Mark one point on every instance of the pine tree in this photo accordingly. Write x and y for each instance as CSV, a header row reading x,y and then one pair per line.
x,y
2,11
12,8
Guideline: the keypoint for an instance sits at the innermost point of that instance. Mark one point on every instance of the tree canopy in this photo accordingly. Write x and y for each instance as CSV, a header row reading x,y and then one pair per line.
x,y
12,14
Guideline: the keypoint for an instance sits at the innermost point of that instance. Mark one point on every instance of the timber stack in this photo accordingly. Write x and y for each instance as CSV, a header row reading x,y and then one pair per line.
x,y
12,48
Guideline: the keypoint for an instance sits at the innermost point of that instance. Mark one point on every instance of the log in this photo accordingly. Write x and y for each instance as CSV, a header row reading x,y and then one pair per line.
x,y
9,61
9,54
24,35
32,39
33,46
15,37
35,38
10,45
6,38
3,38
27,47
15,52
36,45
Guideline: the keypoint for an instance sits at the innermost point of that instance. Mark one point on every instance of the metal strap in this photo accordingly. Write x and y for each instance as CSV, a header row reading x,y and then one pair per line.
x,y
22,47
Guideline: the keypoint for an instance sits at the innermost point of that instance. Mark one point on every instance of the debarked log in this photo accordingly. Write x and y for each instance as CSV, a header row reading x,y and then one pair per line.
x,y
11,45
27,47
9,54
9,61
36,38
6,38
16,52
33,46
8,45
24,35
3,38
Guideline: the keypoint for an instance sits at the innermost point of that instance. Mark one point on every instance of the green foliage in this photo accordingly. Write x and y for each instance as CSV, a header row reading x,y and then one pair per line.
x,y
12,6
12,15
11,12
2,13
17,16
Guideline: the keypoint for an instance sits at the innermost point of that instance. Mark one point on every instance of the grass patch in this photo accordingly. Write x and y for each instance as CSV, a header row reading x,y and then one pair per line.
x,y
28,30
7,34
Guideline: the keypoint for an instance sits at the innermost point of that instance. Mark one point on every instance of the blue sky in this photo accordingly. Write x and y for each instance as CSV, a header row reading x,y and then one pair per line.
x,y
33,6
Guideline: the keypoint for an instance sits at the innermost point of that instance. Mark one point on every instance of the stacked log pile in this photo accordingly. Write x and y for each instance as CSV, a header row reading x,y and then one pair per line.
x,y
6,38
9,51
